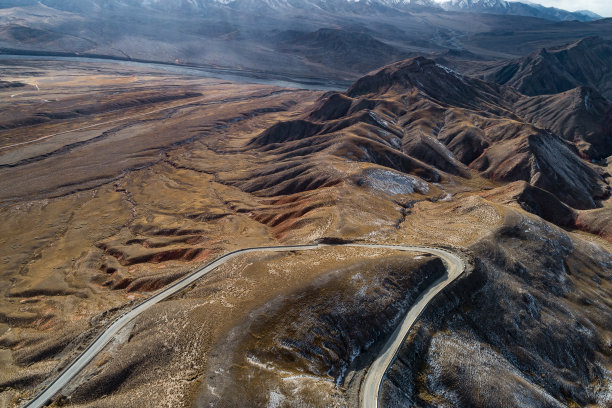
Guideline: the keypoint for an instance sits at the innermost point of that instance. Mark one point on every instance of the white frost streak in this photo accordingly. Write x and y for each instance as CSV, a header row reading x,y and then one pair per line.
x,y
275,399
450,71
393,183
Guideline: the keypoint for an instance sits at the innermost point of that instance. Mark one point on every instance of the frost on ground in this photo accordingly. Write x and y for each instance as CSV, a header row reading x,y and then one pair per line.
x,y
301,345
481,369
516,332
392,183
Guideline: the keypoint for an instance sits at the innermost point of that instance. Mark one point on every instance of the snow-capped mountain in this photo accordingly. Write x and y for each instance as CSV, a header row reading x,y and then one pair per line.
x,y
195,5
478,4
334,6
527,9
589,13
304,4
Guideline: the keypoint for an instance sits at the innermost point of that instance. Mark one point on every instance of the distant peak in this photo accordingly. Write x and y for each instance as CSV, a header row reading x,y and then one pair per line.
x,y
522,8
481,4
415,73
585,62
589,14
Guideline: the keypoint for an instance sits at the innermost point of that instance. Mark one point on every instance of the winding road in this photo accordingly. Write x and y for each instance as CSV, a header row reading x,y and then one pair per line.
x,y
370,388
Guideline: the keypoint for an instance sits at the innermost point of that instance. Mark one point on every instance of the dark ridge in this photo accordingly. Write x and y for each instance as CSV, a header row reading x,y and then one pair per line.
x,y
534,200
581,116
549,71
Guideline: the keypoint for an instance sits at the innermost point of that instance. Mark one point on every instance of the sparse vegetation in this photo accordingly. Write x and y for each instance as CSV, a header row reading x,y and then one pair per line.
x,y
117,180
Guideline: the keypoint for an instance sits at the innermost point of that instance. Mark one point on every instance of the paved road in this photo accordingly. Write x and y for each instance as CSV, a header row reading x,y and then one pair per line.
x,y
375,373
370,388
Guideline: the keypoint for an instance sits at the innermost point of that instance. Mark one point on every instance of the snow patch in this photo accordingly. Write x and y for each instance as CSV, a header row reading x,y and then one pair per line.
x,y
393,183
450,71
275,399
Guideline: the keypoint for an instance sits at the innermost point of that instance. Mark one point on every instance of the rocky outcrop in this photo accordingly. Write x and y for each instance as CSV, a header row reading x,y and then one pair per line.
x,y
419,117
317,333
534,200
532,313
581,116
548,71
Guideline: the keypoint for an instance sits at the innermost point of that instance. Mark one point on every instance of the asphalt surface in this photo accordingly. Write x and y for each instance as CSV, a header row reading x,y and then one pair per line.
x,y
371,386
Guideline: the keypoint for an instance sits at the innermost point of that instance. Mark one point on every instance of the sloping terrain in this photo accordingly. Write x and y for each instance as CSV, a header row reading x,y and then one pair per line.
x,y
527,9
421,118
357,52
101,207
584,63
78,241
260,37
535,312
580,115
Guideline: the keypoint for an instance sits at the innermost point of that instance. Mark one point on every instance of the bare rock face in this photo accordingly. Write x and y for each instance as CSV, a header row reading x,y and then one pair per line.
x,y
581,116
318,333
548,71
434,80
534,200
546,162
419,117
355,51
533,313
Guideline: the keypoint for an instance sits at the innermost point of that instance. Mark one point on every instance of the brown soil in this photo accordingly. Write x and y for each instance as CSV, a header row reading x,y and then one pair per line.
x,y
95,219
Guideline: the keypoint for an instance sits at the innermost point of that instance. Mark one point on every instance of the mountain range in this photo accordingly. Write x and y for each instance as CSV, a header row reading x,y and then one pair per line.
x,y
547,71
457,126
282,37
527,9
474,6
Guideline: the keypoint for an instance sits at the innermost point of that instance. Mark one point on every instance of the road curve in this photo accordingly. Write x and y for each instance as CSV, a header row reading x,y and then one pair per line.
x,y
370,389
